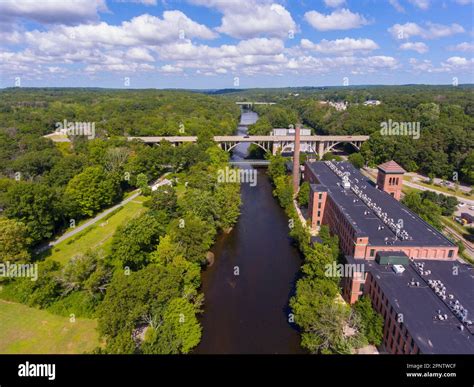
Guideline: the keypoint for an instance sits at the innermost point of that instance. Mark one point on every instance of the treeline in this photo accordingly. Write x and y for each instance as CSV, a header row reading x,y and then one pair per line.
x,y
49,187
431,206
49,190
145,293
117,112
327,323
445,147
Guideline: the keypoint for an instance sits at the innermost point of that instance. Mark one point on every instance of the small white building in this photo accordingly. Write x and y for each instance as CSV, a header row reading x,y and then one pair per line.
x,y
372,102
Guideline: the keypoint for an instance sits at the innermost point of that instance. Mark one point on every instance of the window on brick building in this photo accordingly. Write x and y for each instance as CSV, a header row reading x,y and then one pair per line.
x,y
451,253
372,252
320,196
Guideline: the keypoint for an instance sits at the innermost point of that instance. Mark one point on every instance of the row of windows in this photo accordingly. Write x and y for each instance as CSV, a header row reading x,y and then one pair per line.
x,y
393,180
396,336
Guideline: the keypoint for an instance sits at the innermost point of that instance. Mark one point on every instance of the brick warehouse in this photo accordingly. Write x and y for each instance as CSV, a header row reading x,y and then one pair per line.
x,y
376,229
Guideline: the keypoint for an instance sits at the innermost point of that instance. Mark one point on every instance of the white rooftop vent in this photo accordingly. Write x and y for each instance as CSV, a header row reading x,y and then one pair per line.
x,y
399,269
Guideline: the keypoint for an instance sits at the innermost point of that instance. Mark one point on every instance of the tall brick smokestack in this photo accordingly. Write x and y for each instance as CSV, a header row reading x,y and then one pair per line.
x,y
296,161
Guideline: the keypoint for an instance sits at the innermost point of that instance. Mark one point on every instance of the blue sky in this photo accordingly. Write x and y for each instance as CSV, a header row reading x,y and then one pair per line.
x,y
234,43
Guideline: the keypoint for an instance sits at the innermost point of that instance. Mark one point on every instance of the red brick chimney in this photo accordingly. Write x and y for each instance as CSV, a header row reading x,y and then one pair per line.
x,y
296,161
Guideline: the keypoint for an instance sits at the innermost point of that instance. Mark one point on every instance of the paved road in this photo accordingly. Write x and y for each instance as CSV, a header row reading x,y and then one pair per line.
x,y
98,217
90,222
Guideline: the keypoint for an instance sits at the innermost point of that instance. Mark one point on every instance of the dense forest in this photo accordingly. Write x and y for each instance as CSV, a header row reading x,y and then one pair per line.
x,y
145,292
117,112
445,147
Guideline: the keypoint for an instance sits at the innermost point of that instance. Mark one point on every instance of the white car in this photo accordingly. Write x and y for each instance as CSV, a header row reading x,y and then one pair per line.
x,y
461,204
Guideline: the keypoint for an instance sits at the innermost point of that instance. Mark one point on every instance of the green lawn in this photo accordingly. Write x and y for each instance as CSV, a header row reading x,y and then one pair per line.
x,y
439,188
98,235
26,330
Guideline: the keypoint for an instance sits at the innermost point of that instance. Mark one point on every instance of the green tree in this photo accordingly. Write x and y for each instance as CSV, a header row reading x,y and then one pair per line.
x,y
426,209
283,191
132,242
357,160
193,236
164,198
228,202
371,321
14,241
277,166
303,194
179,331
36,206
90,191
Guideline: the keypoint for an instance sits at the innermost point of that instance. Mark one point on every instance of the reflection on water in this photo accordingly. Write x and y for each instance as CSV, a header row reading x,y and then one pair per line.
x,y
248,312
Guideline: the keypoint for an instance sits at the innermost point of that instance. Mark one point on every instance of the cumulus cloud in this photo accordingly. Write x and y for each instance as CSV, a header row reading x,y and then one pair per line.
x,y
273,20
140,54
53,11
452,64
340,46
341,19
141,30
419,47
252,18
456,63
431,31
464,46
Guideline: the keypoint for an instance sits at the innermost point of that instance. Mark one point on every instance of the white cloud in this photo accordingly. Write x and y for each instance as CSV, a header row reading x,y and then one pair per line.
x,y
419,47
144,2
140,54
422,4
342,19
269,20
396,4
464,46
169,69
141,30
252,18
431,31
334,3
452,64
53,11
463,2
341,46
457,62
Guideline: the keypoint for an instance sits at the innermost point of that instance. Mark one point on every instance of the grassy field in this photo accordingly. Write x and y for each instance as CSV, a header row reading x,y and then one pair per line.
x,y
98,235
439,188
26,330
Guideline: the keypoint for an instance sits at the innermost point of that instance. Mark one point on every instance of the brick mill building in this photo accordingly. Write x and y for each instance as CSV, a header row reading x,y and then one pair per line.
x,y
408,264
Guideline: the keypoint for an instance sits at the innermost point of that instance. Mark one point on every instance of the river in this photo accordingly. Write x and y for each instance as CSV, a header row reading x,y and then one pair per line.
x,y
253,276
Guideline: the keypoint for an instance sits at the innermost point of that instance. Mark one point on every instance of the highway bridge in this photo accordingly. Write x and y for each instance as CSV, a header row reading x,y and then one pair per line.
x,y
317,144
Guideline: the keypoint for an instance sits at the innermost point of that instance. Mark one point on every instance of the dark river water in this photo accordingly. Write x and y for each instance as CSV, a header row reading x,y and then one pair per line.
x,y
248,312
